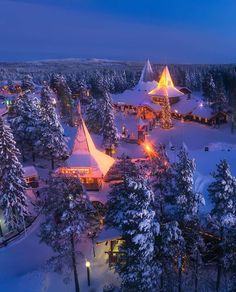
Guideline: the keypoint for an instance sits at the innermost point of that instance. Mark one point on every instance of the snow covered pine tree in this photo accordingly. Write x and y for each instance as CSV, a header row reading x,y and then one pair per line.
x,y
67,210
27,83
52,142
130,208
94,116
188,203
109,130
26,122
222,192
12,188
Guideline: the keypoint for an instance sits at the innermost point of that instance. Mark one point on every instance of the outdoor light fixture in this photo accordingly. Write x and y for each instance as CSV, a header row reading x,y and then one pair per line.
x,y
87,264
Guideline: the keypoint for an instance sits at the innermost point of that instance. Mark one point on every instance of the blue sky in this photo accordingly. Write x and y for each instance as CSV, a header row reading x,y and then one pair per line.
x,y
167,31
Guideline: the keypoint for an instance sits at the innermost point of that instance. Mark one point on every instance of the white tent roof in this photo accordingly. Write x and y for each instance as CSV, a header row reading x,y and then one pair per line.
x,y
193,106
147,73
166,86
107,234
85,153
30,171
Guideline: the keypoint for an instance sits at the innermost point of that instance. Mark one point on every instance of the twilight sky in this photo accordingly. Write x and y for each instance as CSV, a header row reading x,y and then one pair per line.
x,y
166,31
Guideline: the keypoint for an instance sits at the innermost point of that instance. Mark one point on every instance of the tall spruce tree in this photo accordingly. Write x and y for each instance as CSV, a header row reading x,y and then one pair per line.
x,y
27,83
209,87
161,173
188,203
67,211
187,200
12,188
94,116
52,142
26,122
109,130
130,208
170,251
59,85
222,192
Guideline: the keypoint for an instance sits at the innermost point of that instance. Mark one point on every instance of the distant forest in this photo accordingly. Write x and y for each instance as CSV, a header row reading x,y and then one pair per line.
x,y
217,82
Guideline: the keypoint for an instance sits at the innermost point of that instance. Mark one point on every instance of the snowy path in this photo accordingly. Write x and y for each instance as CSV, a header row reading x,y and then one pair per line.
x,y
22,267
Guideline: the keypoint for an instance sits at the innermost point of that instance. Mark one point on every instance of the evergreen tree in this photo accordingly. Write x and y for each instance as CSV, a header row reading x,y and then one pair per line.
x,y
12,187
209,87
67,211
109,130
130,208
94,116
166,120
222,192
229,260
187,200
26,122
170,251
219,102
126,168
60,86
52,142
162,177
188,203
27,83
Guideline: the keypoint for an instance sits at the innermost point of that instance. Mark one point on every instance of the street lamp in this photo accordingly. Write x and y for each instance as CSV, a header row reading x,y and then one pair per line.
x,y
87,264
1,233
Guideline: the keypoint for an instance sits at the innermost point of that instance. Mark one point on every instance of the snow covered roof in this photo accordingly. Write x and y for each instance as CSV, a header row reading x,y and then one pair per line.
x,y
85,153
202,111
193,105
108,234
30,171
145,86
166,86
135,98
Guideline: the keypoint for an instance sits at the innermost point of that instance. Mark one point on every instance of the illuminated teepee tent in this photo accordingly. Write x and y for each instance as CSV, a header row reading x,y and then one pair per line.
x,y
147,73
146,81
165,86
86,161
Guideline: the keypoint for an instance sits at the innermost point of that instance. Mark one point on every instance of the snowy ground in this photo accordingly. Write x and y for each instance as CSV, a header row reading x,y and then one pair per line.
x,y
23,269
22,263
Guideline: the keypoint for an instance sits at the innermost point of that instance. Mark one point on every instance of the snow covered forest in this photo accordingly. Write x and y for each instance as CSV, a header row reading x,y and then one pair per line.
x,y
122,75
172,221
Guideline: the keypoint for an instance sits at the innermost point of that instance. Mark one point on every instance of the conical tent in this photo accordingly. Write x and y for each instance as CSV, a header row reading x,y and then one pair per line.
x,y
86,155
166,86
147,73
146,81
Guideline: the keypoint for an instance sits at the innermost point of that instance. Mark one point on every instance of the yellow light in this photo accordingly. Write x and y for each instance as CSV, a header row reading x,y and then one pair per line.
x,y
87,264
148,148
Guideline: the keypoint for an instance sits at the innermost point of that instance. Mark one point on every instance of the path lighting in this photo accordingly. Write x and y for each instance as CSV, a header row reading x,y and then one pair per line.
x,y
1,233
87,264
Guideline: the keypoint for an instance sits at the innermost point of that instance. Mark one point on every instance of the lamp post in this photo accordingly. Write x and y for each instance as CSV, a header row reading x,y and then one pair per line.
x,y
1,233
87,264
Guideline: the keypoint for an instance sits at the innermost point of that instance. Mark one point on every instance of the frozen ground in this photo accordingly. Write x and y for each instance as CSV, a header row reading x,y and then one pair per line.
x,y
23,269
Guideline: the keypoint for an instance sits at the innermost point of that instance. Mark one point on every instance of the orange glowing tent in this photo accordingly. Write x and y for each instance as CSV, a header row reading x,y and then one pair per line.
x,y
165,86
